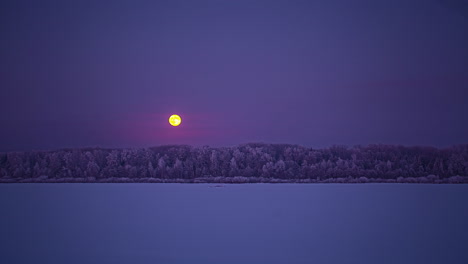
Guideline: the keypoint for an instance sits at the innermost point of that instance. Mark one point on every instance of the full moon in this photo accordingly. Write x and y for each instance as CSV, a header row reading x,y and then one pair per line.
x,y
175,120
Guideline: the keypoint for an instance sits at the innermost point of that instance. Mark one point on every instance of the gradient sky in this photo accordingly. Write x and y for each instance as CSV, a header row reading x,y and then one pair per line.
x,y
315,73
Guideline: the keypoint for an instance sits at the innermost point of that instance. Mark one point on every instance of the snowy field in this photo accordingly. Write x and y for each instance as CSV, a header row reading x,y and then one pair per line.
x,y
254,223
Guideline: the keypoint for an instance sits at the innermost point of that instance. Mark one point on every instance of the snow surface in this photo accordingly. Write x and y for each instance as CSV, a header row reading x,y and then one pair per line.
x,y
253,223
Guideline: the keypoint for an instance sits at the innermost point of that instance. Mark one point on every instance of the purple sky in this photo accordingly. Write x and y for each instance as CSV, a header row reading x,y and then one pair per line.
x,y
315,73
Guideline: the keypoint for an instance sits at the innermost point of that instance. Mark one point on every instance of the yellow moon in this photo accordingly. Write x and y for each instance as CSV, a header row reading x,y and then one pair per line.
x,y
175,120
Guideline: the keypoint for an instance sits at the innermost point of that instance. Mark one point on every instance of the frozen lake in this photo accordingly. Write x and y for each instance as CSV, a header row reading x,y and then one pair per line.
x,y
252,223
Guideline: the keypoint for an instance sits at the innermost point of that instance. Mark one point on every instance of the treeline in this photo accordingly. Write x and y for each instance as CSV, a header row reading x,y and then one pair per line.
x,y
255,162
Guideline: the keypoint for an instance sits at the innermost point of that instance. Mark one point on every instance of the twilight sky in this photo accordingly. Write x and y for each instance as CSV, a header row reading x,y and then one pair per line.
x,y
315,73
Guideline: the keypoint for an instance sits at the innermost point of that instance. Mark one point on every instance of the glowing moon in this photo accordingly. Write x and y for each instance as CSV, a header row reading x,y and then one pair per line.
x,y
175,120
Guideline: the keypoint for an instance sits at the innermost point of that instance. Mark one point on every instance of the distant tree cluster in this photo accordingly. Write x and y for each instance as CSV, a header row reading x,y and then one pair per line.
x,y
255,162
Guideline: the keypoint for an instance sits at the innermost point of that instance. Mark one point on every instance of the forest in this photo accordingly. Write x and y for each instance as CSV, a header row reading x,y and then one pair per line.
x,y
247,163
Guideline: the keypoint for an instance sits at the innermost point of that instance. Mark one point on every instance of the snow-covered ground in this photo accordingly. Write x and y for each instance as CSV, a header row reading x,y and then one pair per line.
x,y
253,223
